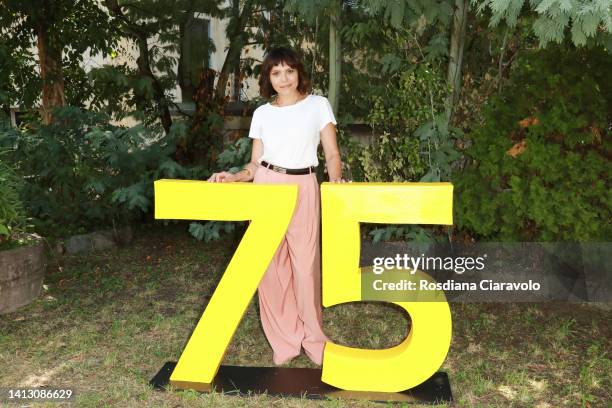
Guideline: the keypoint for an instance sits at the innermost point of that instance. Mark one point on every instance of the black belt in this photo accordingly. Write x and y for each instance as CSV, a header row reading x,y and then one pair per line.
x,y
278,169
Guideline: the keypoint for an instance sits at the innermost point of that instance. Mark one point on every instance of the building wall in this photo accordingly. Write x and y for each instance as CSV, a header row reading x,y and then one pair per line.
x,y
250,87
128,52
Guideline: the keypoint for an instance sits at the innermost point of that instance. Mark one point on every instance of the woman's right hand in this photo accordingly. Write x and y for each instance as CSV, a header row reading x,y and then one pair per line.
x,y
223,177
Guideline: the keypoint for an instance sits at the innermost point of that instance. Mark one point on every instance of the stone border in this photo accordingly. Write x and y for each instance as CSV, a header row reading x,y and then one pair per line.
x,y
95,241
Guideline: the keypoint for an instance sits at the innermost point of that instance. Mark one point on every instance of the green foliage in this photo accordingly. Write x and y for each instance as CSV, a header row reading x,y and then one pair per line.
x,y
552,19
210,231
440,152
540,162
378,38
411,100
19,85
119,91
392,158
235,155
83,173
350,151
74,27
231,159
412,12
12,214
414,142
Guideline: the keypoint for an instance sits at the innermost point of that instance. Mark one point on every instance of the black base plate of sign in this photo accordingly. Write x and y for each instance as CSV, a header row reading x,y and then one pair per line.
x,y
306,383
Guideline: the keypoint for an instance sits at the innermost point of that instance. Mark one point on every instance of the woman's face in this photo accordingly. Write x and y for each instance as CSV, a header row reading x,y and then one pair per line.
x,y
284,79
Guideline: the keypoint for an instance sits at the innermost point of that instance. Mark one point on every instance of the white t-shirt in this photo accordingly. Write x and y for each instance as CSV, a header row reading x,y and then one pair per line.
x,y
290,134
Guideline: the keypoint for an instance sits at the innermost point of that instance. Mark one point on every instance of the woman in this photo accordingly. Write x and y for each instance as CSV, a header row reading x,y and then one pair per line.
x,y
286,133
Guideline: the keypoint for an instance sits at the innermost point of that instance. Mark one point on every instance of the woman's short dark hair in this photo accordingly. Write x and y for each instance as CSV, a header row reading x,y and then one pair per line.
x,y
278,56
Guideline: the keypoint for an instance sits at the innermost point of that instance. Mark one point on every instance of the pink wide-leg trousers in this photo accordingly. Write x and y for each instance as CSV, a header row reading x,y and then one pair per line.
x,y
290,291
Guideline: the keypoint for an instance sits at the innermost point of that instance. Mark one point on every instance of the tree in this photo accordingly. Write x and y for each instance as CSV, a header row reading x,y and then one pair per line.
x,y
162,28
331,11
585,19
335,56
194,44
238,38
140,22
455,56
19,81
54,28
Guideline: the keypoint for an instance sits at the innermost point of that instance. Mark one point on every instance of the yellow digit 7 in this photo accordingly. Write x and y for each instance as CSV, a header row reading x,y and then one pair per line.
x,y
269,207
419,356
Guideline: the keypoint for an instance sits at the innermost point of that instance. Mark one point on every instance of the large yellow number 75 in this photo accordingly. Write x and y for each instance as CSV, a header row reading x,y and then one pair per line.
x,y
414,360
270,207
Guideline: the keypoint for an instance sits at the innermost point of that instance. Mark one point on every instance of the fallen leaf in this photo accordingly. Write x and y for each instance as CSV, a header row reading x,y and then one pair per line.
x,y
532,121
517,149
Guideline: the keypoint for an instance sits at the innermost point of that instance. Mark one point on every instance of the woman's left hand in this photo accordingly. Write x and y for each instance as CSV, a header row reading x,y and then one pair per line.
x,y
338,180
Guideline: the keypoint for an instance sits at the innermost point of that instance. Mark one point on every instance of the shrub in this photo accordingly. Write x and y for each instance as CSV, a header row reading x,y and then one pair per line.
x,y
540,162
415,142
83,173
231,159
413,98
12,215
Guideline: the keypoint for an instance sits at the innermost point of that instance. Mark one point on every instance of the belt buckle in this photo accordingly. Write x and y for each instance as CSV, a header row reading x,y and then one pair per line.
x,y
280,169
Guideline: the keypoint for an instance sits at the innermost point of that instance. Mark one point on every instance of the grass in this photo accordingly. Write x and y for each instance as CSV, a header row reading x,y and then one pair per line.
x,y
107,321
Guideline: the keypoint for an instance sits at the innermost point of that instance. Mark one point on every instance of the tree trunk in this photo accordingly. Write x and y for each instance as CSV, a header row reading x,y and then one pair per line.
x,y
237,37
50,60
184,71
237,83
144,68
457,43
194,49
144,62
335,59
202,145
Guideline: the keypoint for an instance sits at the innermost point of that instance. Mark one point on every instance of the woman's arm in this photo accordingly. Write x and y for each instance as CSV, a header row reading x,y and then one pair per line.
x,y
332,153
247,173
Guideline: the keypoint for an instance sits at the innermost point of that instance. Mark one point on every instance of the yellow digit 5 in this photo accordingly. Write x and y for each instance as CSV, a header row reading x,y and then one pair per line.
x,y
269,207
424,350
